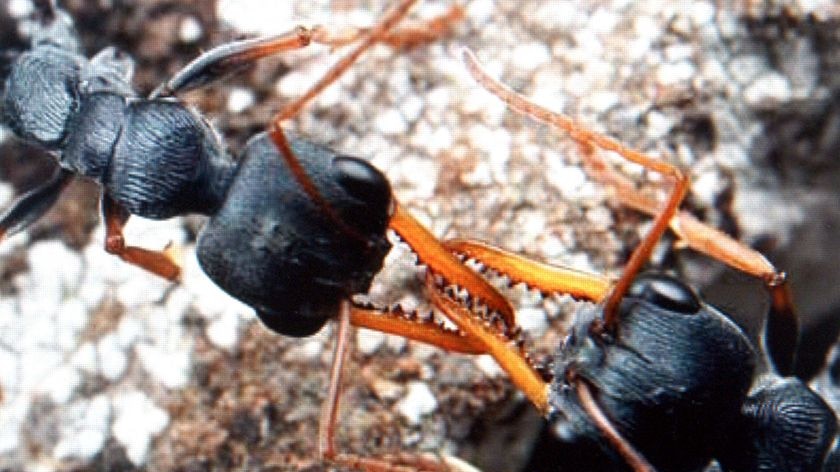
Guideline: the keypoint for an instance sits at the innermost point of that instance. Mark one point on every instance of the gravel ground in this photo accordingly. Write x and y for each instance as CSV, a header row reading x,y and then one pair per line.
x,y
103,367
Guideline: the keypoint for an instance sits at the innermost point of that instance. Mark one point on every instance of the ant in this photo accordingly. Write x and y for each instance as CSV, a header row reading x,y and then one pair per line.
x,y
652,377
294,228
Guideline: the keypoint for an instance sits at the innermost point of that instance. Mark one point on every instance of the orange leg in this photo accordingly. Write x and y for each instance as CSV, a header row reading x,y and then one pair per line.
x,y
661,221
633,458
516,364
159,263
327,450
782,325
376,34
404,38
226,59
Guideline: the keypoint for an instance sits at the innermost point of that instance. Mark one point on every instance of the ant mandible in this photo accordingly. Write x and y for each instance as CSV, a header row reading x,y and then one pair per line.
x,y
295,229
652,377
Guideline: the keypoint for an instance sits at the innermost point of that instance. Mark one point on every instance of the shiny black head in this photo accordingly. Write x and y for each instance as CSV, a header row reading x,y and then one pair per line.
x,y
672,370
276,249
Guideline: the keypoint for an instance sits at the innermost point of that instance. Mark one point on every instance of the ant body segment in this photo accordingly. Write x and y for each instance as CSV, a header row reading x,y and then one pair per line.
x,y
652,377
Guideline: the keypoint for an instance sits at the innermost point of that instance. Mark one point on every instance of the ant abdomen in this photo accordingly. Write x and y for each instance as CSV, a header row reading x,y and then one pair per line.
x,y
289,256
658,376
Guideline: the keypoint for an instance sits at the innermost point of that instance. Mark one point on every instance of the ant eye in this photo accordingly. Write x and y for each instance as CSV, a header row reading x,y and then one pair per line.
x,y
361,180
665,292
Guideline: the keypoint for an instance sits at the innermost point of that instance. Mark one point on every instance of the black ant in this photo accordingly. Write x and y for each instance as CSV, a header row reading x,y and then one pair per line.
x,y
295,229
653,378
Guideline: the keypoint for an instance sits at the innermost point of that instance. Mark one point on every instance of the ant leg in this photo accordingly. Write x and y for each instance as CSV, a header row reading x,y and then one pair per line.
x,y
232,57
329,415
406,37
782,323
160,263
32,205
329,410
660,222
376,34
630,455
782,326
546,278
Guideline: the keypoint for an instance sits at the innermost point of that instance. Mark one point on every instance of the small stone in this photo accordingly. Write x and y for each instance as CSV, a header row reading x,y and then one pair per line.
x,y
770,88
488,366
369,341
239,100
417,402
190,30
137,421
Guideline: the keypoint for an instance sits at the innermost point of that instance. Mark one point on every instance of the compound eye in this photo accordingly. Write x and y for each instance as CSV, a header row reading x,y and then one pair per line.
x,y
362,181
665,292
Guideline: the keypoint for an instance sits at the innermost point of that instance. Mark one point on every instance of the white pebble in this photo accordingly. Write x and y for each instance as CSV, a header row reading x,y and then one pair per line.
x,y
532,320
257,16
190,31
111,357
488,366
768,89
171,368
391,122
85,426
658,125
529,56
480,11
417,402
673,73
369,341
19,8
60,384
701,12
138,419
223,331
239,99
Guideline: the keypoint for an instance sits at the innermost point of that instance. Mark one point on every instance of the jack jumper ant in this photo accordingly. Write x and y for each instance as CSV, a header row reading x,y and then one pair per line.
x,y
653,378
295,229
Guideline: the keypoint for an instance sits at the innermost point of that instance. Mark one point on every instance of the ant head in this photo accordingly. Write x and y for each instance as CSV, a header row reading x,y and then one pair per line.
x,y
292,257
671,361
366,184
306,321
